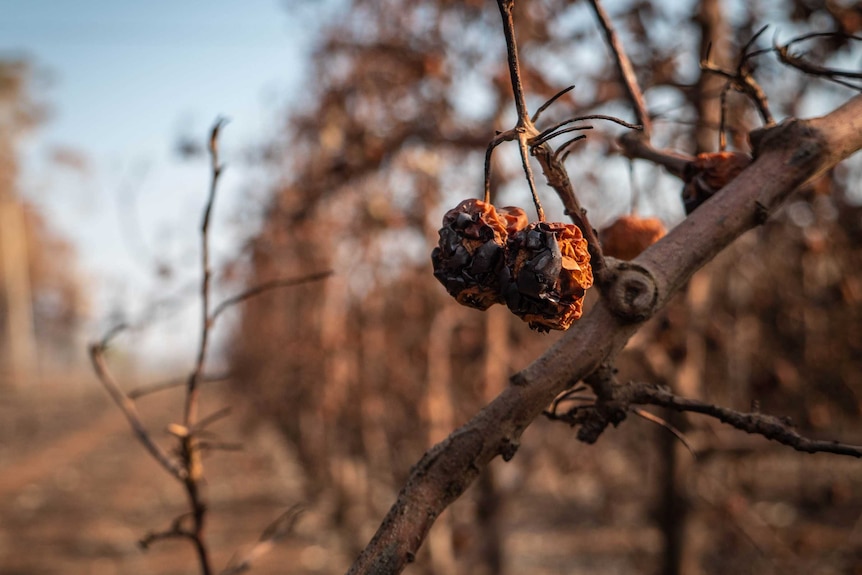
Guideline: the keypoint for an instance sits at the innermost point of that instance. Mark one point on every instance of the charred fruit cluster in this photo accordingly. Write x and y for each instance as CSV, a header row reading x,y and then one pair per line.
x,y
489,255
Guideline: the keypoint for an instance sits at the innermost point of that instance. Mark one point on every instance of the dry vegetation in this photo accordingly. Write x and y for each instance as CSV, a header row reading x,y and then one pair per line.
x,y
366,374
749,311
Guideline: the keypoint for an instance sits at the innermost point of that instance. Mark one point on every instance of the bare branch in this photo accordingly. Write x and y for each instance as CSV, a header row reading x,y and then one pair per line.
x,y
741,80
831,74
636,145
548,133
189,445
206,273
624,67
787,156
552,163
524,129
653,418
144,390
769,426
127,406
274,533
547,104
205,422
265,287
175,531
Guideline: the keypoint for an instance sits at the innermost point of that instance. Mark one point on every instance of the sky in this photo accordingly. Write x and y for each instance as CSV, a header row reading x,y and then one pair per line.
x,y
123,82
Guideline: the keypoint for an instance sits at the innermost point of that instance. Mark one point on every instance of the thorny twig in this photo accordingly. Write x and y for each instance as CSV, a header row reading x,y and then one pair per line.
x,y
771,427
610,410
798,62
529,137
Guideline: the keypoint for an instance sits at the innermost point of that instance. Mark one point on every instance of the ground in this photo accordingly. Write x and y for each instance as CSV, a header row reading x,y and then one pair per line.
x,y
77,491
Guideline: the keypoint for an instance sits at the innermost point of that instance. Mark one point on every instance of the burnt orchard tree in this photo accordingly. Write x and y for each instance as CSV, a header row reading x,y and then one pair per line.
x,y
364,374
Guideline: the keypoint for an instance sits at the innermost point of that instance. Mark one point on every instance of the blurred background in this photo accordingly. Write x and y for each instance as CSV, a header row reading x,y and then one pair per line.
x,y
354,125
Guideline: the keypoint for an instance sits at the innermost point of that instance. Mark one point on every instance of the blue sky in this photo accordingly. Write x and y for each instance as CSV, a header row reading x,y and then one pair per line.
x,y
123,81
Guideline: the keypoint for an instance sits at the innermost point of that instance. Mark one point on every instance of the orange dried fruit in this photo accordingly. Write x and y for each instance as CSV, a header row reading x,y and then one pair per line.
x,y
470,255
516,218
629,235
708,173
550,272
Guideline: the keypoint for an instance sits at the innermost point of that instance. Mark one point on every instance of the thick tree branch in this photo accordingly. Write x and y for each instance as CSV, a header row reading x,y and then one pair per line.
x,y
787,156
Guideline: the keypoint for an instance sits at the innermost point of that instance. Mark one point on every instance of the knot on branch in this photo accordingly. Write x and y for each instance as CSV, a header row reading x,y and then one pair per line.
x,y
632,292
508,448
593,420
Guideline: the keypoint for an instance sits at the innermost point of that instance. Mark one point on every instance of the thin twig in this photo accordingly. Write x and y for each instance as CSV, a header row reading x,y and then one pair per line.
x,y
566,396
741,80
189,446
636,145
555,173
175,531
524,129
141,391
802,65
768,426
265,287
625,68
276,531
547,104
545,133
127,406
562,148
211,418
613,398
544,137
206,273
653,418
498,139
112,333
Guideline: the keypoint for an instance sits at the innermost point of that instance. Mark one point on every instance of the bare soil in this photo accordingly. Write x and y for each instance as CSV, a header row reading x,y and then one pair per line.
x,y
77,491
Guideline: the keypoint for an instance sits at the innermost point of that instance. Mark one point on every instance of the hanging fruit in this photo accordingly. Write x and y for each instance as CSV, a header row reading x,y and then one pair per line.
x,y
629,235
550,272
470,258
541,271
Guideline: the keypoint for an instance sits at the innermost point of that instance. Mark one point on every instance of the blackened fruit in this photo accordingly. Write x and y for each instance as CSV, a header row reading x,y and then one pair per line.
x,y
470,258
550,273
